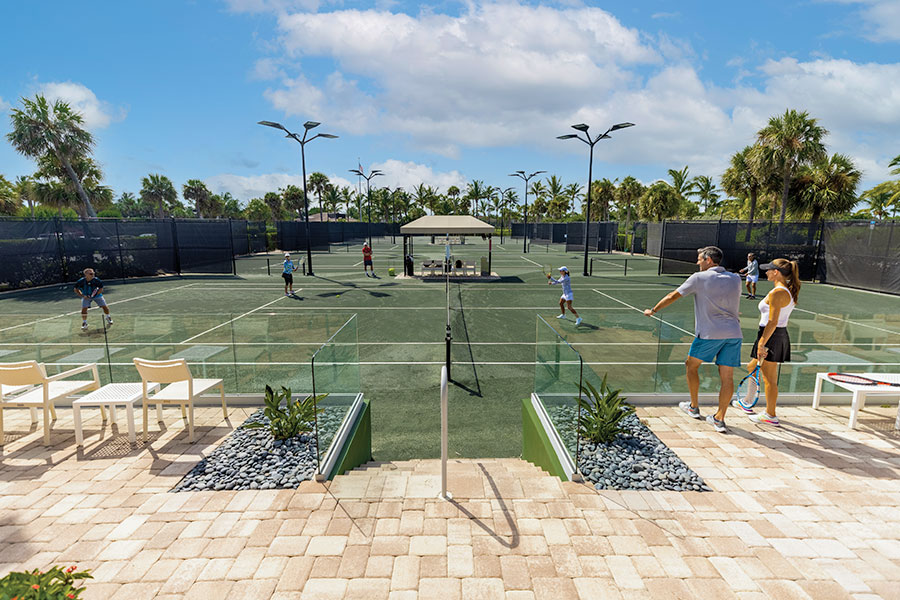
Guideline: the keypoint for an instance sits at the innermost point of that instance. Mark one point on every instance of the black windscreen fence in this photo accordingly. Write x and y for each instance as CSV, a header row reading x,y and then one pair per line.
x,y
204,246
654,239
601,236
863,255
638,239
796,241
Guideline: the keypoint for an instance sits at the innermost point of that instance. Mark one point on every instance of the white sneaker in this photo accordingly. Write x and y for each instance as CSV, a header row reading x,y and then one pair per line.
x,y
561,316
578,321
108,321
84,326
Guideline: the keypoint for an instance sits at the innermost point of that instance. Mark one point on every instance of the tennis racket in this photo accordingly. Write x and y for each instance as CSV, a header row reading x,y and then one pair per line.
x,y
748,390
544,270
858,380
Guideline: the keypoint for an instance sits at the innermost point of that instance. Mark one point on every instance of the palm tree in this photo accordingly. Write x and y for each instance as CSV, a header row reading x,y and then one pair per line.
x,y
705,189
828,188
54,195
557,201
157,190
40,129
318,182
573,191
347,198
742,180
539,204
9,199
786,143
604,192
882,199
453,193
332,198
24,188
627,195
274,202
681,183
196,191
423,196
292,199
475,192
895,163
659,201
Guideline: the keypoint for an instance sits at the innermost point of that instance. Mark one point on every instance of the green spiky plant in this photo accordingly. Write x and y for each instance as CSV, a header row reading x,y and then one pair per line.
x,y
292,420
55,584
600,413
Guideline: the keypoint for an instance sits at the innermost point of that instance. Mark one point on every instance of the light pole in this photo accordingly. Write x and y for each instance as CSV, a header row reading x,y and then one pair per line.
x,y
590,142
391,194
303,141
526,178
368,178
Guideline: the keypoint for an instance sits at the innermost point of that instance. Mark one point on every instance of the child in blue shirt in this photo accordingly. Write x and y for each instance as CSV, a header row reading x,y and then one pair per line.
x,y
288,274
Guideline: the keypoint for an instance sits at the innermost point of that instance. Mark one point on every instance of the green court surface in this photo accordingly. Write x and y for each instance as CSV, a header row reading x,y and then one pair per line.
x,y
243,329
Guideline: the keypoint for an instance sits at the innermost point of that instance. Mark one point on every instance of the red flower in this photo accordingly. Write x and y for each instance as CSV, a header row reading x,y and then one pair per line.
x,y
35,587
70,596
70,569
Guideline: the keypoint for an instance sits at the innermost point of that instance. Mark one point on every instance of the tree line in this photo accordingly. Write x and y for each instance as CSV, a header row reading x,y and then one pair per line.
x,y
787,172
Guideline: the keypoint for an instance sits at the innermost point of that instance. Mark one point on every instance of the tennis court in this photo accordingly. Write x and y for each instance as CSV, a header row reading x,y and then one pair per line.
x,y
244,330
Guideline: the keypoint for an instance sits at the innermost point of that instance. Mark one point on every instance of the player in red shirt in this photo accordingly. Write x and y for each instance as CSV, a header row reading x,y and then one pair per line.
x,y
367,260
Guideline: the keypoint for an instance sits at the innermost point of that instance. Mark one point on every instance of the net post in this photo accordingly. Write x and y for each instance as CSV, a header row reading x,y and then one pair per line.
x,y
591,271
625,273
268,267
447,343
445,376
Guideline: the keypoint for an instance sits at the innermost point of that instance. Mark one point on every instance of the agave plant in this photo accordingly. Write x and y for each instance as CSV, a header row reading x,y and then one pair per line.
x,y
292,420
600,413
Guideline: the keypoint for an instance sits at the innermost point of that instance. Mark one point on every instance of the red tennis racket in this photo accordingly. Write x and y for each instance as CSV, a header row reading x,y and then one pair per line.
x,y
858,380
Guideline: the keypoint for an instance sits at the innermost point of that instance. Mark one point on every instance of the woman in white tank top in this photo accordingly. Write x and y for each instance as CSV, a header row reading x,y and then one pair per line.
x,y
773,344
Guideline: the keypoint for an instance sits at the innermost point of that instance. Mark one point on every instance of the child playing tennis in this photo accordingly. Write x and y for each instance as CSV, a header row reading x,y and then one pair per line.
x,y
773,345
90,289
567,296
288,274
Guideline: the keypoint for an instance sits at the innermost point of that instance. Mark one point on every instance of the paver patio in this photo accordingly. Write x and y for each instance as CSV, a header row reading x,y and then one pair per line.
x,y
806,511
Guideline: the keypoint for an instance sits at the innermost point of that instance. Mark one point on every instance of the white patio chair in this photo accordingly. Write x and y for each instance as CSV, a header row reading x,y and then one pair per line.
x,y
26,384
182,388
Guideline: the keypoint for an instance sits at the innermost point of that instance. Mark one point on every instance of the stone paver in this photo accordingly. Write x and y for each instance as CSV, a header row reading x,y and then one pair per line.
x,y
805,511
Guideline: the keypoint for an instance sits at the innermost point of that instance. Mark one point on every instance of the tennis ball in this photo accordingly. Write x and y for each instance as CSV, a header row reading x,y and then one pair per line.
x,y
834,288
338,295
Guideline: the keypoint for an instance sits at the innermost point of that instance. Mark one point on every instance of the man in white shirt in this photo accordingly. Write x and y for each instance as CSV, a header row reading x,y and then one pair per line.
x,y
717,295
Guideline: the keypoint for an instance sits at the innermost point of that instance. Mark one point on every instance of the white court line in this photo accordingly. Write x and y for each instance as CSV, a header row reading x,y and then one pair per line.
x,y
75,312
848,321
640,311
357,264
319,343
460,362
249,312
609,262
360,308
531,261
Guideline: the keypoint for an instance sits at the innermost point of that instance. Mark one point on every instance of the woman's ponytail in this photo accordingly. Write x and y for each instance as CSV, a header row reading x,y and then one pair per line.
x,y
790,270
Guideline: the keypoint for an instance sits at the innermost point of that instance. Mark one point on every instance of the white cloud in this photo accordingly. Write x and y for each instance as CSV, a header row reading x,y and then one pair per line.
x,y
397,173
97,113
408,175
266,69
880,18
4,105
505,74
447,81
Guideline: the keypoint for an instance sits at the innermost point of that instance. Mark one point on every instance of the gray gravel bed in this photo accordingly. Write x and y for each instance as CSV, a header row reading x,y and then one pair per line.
x,y
251,459
636,460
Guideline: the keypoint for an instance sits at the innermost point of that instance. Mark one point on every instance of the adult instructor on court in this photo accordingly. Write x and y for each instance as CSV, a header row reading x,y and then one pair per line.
x,y
717,297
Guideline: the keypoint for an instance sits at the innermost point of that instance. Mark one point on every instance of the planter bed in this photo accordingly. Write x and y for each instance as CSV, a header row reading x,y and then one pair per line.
x,y
251,459
636,460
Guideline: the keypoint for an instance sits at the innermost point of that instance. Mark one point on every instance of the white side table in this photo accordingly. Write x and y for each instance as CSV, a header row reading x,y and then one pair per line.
x,y
860,392
110,395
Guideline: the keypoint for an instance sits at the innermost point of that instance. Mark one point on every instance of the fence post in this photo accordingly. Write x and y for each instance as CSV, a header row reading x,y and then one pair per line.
x,y
61,248
662,248
176,253
231,241
121,258
445,495
821,242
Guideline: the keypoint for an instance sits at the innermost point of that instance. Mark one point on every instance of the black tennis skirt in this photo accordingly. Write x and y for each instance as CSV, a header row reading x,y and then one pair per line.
x,y
779,345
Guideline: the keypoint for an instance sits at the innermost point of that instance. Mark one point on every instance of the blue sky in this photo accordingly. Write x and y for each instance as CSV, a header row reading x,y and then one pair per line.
x,y
449,92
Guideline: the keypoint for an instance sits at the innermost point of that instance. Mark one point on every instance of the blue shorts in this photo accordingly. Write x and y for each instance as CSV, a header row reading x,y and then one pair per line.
x,y
726,353
86,302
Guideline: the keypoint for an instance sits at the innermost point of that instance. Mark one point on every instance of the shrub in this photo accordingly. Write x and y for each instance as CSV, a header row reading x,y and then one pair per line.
x,y
55,584
600,413
292,420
